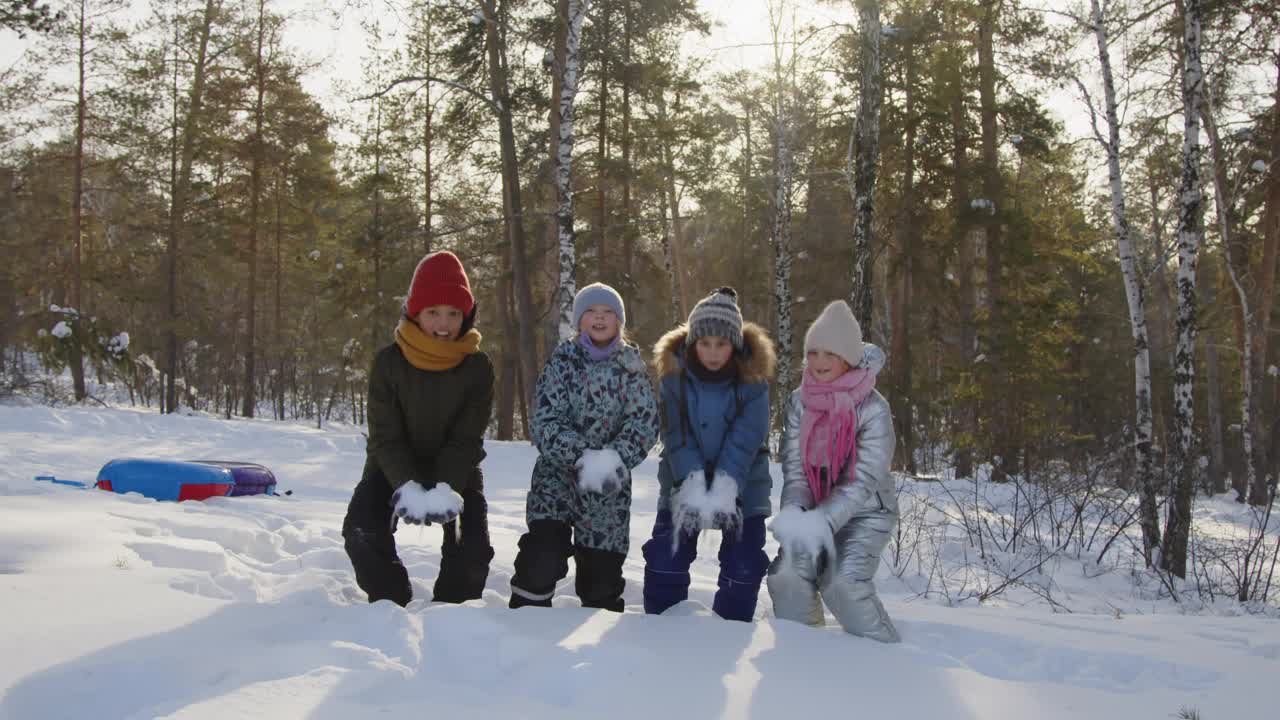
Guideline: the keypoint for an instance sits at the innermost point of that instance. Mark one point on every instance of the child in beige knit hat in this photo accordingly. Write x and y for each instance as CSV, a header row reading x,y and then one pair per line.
x,y
839,503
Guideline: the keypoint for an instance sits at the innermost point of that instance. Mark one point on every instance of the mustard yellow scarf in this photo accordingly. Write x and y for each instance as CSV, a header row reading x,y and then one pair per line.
x,y
427,353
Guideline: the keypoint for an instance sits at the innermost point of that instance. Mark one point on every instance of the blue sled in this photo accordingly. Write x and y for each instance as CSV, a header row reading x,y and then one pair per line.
x,y
166,479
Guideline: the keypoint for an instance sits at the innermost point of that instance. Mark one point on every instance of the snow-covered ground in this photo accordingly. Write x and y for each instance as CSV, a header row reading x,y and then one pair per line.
x,y
121,607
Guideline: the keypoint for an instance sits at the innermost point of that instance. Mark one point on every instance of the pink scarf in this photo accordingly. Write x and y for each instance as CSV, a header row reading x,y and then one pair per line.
x,y
829,431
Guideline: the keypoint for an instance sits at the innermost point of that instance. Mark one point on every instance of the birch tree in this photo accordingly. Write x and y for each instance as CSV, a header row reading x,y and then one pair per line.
x,y
576,10
781,204
1190,232
1134,290
863,156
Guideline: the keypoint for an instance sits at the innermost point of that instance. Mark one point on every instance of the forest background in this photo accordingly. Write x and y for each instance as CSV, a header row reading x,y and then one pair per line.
x,y
1060,221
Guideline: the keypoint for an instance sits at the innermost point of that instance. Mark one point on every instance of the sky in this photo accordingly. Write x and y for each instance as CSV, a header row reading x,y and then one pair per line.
x,y
740,35
329,34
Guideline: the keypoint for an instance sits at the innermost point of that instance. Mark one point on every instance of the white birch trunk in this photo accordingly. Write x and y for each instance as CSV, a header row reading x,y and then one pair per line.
x,y
1190,230
780,234
1135,295
668,260
564,162
782,255
864,152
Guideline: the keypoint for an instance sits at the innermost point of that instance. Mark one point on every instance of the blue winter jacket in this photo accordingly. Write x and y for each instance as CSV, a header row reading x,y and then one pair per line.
x,y
713,426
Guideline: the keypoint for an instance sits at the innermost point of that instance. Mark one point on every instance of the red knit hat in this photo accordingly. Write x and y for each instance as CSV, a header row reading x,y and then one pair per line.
x,y
439,280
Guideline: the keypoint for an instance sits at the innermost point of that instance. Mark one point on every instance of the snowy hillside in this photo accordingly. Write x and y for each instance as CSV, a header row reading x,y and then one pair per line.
x,y
121,607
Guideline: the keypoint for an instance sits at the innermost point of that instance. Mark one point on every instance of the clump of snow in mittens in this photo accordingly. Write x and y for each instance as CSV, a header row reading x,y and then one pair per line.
x,y
415,501
699,505
801,531
601,471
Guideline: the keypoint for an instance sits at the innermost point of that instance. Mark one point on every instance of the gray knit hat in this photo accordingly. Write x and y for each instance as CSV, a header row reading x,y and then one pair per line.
x,y
598,294
717,314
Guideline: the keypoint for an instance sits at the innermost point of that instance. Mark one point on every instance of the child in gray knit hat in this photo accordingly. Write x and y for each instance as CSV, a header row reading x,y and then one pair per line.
x,y
714,474
594,419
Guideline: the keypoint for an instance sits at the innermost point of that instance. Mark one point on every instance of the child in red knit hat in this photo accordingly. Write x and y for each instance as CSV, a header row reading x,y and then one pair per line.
x,y
430,398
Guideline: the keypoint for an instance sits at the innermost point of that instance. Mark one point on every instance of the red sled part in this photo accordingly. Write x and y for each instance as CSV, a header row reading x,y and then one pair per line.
x,y
203,491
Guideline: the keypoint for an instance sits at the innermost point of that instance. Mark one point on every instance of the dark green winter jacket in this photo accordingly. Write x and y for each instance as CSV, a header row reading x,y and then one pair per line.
x,y
427,425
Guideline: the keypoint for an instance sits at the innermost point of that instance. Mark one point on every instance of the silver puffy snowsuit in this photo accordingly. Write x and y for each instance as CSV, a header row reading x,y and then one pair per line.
x,y
861,511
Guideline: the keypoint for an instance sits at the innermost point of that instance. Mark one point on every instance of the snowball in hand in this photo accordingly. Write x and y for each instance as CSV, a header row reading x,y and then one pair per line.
x,y
799,531
417,505
601,471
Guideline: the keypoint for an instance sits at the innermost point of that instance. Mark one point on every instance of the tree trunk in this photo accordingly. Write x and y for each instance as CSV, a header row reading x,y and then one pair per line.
x,y
1266,285
669,261
8,289
75,289
671,203
180,195
551,258
602,141
507,365
967,420
903,265
576,9
1000,413
1217,480
1190,232
780,202
864,154
375,231
629,230
428,135
278,326
1134,291
1236,255
782,298
255,204
514,210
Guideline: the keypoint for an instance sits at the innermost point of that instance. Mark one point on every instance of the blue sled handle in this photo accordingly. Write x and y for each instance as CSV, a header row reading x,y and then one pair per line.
x,y
56,481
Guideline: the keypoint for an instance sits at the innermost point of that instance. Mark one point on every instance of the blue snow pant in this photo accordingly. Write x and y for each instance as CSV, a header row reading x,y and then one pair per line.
x,y
743,564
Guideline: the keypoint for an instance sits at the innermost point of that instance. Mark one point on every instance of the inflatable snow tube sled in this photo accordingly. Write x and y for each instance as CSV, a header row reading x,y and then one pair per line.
x,y
251,478
166,479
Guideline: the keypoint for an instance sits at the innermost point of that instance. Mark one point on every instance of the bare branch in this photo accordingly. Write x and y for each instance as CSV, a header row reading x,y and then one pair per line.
x,y
430,79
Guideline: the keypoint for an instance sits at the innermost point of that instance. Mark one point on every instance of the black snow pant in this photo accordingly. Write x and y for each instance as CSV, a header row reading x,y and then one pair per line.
x,y
371,545
543,560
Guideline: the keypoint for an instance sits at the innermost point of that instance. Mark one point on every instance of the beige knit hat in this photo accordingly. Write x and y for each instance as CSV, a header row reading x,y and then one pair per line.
x,y
837,331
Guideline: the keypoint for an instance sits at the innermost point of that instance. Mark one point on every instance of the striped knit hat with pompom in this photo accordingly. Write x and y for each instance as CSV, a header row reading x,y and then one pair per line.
x,y
717,314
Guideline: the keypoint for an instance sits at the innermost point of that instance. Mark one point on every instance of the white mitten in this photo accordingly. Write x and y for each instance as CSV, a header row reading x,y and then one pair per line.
x,y
601,471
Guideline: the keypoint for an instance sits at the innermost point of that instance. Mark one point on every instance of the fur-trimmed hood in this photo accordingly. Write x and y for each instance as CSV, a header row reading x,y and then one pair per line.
x,y
757,362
